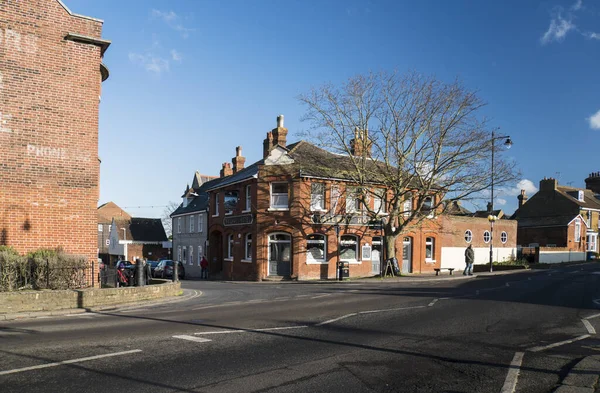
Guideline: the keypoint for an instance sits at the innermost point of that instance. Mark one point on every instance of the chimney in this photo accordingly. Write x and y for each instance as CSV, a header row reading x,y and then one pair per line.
x,y
489,207
277,136
268,144
522,198
238,161
593,182
548,184
361,145
226,170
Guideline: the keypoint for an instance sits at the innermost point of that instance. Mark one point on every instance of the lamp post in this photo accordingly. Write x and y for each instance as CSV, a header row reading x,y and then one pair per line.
x,y
124,242
491,217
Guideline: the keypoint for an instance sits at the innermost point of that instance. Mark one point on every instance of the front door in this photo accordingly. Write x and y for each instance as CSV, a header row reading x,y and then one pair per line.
x,y
407,255
376,253
280,252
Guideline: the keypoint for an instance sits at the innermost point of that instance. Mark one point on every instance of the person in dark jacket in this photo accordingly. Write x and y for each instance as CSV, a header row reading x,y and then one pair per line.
x,y
469,258
204,268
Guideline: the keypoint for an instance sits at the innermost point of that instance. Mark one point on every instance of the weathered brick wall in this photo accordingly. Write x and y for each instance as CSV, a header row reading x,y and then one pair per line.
x,y
33,301
49,97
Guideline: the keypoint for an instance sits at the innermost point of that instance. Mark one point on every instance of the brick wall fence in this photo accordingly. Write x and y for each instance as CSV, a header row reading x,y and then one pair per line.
x,y
32,301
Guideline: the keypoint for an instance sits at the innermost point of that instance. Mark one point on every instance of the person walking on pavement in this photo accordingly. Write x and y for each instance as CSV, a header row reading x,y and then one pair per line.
x,y
204,268
469,258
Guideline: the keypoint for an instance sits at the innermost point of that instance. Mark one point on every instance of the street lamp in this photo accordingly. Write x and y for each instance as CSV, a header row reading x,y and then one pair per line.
x,y
507,143
124,242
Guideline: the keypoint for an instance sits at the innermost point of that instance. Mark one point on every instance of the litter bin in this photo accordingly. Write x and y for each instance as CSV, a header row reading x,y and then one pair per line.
x,y
344,270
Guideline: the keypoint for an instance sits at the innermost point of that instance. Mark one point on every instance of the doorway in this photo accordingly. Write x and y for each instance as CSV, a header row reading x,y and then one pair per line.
x,y
407,255
376,253
280,252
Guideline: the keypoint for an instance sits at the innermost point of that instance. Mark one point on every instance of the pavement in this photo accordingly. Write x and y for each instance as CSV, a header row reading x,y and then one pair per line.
x,y
583,377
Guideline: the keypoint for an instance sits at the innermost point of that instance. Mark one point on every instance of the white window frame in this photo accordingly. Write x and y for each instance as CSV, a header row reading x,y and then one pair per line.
x,y
199,255
191,255
317,196
468,236
592,242
577,230
229,255
352,201
432,201
247,242
430,243
178,224
110,227
335,198
192,224
248,199
356,242
322,240
503,237
184,256
488,235
275,197
100,227
216,203
200,223
407,207
230,212
379,201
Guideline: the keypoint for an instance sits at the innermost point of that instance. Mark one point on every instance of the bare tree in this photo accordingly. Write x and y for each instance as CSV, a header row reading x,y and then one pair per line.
x,y
422,140
167,221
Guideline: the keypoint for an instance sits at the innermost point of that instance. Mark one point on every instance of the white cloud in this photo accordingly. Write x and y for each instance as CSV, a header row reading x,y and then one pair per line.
x,y
173,21
595,121
559,27
577,6
500,201
150,62
176,56
592,35
524,184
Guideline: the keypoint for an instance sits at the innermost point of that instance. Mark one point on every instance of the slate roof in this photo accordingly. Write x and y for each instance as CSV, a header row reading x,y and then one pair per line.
x,y
246,173
107,211
484,213
198,204
141,229
456,209
590,201
552,221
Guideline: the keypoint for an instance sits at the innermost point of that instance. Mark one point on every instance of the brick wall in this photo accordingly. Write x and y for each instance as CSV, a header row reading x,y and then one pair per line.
x,y
49,97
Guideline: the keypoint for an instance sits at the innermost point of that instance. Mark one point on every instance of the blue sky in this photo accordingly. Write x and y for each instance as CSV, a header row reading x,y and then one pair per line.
x,y
191,80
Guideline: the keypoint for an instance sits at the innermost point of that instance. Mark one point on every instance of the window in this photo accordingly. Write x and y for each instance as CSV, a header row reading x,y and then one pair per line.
x,y
184,258
200,223
468,236
248,247
316,249
108,242
230,201
428,206
109,227
486,236
199,255
248,198
503,237
191,256
352,200
192,225
379,201
179,253
349,248
216,204
317,196
591,242
229,245
429,249
407,207
577,230
279,195
335,198
100,228
580,196
178,224
589,219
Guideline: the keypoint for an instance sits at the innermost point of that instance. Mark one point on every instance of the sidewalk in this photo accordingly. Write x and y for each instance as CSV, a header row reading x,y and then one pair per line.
x,y
583,378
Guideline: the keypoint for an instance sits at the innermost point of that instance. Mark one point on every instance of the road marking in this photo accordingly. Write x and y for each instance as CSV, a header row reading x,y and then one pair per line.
x,y
336,319
192,338
323,295
588,326
251,330
592,316
80,360
558,344
432,302
510,383
388,309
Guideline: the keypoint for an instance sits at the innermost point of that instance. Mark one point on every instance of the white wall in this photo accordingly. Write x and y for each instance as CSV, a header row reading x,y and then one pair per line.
x,y
455,256
561,256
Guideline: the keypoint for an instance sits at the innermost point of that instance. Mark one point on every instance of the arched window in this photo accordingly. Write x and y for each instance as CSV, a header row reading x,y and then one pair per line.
x,y
486,236
349,248
316,248
504,237
468,236
248,247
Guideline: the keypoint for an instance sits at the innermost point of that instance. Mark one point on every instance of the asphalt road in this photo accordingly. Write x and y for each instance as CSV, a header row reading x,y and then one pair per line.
x,y
518,332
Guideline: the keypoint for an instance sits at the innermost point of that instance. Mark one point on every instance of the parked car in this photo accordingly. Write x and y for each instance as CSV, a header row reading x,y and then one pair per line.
x,y
153,265
164,269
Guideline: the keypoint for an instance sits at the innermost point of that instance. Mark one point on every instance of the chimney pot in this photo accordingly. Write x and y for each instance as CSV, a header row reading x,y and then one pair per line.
x,y
280,121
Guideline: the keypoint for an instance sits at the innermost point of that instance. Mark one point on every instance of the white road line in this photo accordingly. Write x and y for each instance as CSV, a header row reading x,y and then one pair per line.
x,y
336,319
251,330
80,360
388,309
510,383
192,338
432,302
588,326
558,344
592,316
323,295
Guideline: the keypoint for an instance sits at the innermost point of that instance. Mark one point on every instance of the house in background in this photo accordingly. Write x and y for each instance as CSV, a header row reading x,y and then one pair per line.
x,y
137,238
190,224
560,217
106,213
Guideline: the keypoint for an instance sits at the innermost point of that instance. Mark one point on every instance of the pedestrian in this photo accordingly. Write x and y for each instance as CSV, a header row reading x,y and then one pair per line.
x,y
469,258
204,268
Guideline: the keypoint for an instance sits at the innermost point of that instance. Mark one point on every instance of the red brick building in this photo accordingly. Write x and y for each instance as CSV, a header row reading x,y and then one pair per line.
x,y
50,76
277,218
